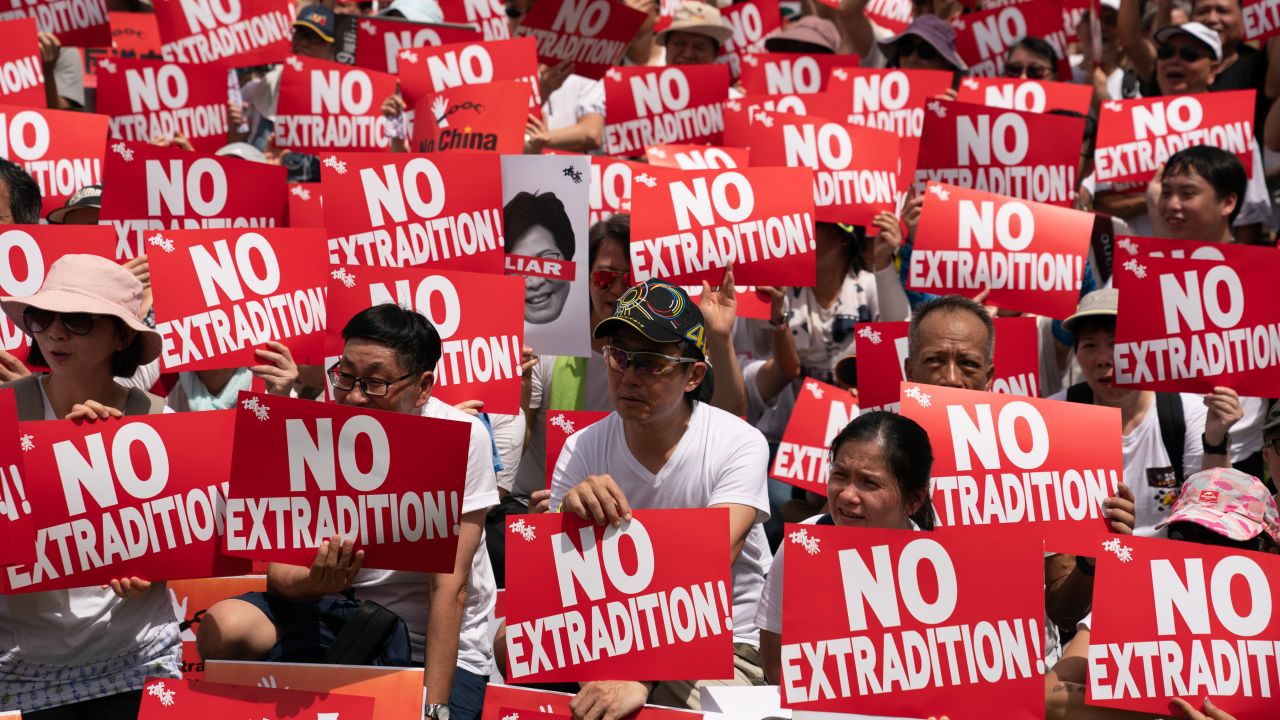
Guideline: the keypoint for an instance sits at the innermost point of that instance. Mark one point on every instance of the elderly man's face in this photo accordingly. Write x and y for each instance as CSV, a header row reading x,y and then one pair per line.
x,y
952,352
686,48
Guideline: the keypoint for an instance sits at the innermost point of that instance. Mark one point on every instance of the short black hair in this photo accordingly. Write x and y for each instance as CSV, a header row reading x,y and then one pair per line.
x,y
409,334
1091,323
1221,169
24,193
617,227
1036,46
528,210
123,364
907,452
952,303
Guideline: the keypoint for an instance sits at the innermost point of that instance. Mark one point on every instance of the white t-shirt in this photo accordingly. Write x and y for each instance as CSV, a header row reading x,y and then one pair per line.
x,y
576,98
532,474
1147,469
720,459
405,593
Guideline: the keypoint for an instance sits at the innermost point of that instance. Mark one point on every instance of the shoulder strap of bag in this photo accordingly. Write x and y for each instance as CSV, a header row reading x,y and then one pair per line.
x,y
141,402
28,397
1080,393
568,383
1173,430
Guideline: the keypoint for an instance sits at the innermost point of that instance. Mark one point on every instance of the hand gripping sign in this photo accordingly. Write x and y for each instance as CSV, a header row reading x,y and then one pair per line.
x,y
150,98
519,699
1031,256
429,70
791,73
27,252
379,40
1137,136
1039,468
913,627
228,33
1190,325
330,106
21,71
697,157
688,225
752,22
984,38
855,168
76,23
1037,96
219,295
399,211
1261,18
560,425
1005,152
489,15
480,319
303,471
198,700
154,190
1180,619
473,118
804,457
657,106
591,34
140,497
650,600
60,150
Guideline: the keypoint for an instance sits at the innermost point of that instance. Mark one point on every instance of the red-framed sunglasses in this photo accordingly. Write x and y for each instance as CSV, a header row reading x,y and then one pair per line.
x,y
604,279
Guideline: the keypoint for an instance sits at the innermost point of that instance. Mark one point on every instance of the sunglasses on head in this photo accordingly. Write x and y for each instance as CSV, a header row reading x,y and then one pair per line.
x,y
38,320
1188,53
604,279
922,50
1033,72
645,363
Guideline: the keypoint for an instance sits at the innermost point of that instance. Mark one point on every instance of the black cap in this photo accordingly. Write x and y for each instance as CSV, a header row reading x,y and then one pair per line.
x,y
663,313
87,196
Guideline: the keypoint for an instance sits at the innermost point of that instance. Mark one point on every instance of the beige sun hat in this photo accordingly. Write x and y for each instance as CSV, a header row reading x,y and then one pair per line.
x,y
89,284
692,16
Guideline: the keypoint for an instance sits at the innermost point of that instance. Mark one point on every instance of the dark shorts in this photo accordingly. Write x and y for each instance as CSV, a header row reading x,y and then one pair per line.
x,y
306,630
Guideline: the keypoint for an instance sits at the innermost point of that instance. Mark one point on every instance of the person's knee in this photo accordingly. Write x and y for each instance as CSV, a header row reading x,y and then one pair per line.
x,y
235,630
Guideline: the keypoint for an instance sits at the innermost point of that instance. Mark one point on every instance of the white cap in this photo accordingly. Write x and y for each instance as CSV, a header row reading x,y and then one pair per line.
x,y
1199,31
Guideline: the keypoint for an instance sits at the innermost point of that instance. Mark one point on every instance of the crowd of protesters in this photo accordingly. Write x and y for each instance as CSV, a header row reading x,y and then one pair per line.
x,y
698,397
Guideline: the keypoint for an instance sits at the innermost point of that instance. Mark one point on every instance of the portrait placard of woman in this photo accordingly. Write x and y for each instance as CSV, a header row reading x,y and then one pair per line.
x,y
537,226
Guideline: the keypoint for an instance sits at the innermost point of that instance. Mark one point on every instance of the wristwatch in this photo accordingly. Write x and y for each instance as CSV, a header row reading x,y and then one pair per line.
x,y
783,322
436,712
1219,449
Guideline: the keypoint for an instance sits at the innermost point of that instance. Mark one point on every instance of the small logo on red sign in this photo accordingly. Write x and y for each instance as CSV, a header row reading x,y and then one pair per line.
x,y
1208,496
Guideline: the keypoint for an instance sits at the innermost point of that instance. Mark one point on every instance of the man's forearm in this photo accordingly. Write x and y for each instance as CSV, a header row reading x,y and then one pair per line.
x,y
444,625
291,582
729,393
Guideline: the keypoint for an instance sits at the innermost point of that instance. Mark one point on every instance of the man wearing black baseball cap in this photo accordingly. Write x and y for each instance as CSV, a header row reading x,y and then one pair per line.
x,y
664,446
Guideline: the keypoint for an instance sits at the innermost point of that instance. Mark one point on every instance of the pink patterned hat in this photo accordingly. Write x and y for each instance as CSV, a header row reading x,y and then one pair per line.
x,y
1233,504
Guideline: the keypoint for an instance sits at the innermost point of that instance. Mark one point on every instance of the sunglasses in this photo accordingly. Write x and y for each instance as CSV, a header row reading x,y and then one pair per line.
x,y
1034,72
604,279
38,320
371,387
922,50
645,363
1188,53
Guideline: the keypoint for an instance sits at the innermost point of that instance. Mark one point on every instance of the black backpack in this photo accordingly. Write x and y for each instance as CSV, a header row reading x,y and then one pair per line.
x,y
1173,423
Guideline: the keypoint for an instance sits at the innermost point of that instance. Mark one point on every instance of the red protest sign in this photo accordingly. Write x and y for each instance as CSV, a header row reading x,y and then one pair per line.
x,y
855,168
489,15
519,714
380,40
1035,96
697,157
1193,325
592,34
610,187
669,561
984,38
881,349
890,100
656,106
739,113
220,295
1005,152
912,628
16,523
143,497
688,225
804,457
1261,18
1137,136
155,189
325,106
1030,255
238,34
1163,608
26,252
480,319
1017,357
399,211
396,691
498,696
76,23
560,425
752,21
199,700
473,118
21,72
306,208
135,34
149,98
60,149
1039,468
303,471
428,70
893,15
192,599
791,73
